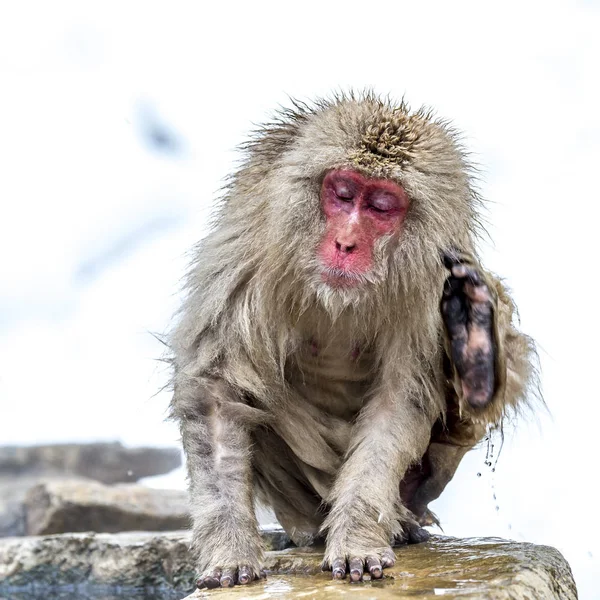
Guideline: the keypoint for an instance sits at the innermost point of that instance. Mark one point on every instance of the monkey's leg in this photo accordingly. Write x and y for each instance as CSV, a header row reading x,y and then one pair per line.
x,y
366,513
467,310
443,459
282,485
225,536
451,438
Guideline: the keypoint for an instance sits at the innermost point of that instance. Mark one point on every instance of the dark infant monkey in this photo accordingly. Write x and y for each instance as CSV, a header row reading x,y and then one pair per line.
x,y
340,347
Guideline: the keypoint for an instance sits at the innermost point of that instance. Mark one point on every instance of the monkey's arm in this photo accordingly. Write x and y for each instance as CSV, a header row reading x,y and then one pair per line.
x,y
492,363
217,445
391,434
506,372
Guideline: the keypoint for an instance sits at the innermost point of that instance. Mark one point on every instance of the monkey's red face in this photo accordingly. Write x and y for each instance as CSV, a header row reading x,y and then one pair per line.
x,y
358,212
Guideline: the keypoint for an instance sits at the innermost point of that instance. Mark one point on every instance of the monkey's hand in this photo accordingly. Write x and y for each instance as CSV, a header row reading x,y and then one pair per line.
x,y
228,577
467,310
357,563
357,555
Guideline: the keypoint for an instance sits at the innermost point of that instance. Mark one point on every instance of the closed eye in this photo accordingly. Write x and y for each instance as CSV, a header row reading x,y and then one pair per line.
x,y
383,202
343,192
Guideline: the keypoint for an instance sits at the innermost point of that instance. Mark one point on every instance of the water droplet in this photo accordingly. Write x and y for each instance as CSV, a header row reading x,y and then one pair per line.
x,y
478,474
129,473
497,508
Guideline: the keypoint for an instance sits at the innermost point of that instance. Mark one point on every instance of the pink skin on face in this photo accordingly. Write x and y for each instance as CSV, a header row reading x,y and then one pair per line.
x,y
358,211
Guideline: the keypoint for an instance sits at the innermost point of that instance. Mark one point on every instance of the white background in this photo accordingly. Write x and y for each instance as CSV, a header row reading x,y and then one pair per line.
x,y
96,220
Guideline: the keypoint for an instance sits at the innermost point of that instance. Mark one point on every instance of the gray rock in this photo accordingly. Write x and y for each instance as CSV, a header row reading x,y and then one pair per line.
x,y
23,467
12,509
71,506
13,491
158,565
106,462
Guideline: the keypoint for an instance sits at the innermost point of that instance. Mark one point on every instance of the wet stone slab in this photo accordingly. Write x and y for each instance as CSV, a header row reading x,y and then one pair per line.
x,y
157,566
486,568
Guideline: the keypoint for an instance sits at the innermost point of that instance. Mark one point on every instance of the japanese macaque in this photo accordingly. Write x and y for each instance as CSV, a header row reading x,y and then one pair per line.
x,y
340,347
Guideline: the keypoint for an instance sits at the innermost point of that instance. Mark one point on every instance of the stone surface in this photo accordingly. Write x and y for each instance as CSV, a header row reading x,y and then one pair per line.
x,y
12,509
22,467
153,566
71,506
106,462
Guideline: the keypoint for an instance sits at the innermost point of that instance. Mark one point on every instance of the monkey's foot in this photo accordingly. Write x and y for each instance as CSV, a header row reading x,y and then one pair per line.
x,y
228,577
412,533
467,310
429,519
371,562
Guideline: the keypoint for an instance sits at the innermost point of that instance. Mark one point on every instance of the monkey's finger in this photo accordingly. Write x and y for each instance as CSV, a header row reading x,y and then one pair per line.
x,y
374,566
246,575
469,274
478,293
455,316
453,286
388,558
356,568
228,578
451,257
338,568
211,581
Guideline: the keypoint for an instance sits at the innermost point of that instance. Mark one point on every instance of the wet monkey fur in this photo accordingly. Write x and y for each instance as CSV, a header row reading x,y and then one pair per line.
x,y
340,347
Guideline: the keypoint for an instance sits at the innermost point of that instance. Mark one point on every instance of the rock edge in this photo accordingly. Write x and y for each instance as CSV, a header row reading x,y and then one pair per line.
x,y
128,562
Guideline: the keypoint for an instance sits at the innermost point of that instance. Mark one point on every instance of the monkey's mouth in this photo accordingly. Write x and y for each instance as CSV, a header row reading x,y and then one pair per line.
x,y
336,277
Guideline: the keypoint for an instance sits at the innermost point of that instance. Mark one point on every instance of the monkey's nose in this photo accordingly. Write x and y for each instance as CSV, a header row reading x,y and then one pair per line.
x,y
345,247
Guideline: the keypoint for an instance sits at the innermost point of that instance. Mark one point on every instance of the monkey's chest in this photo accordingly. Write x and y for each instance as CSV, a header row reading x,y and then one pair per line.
x,y
333,378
